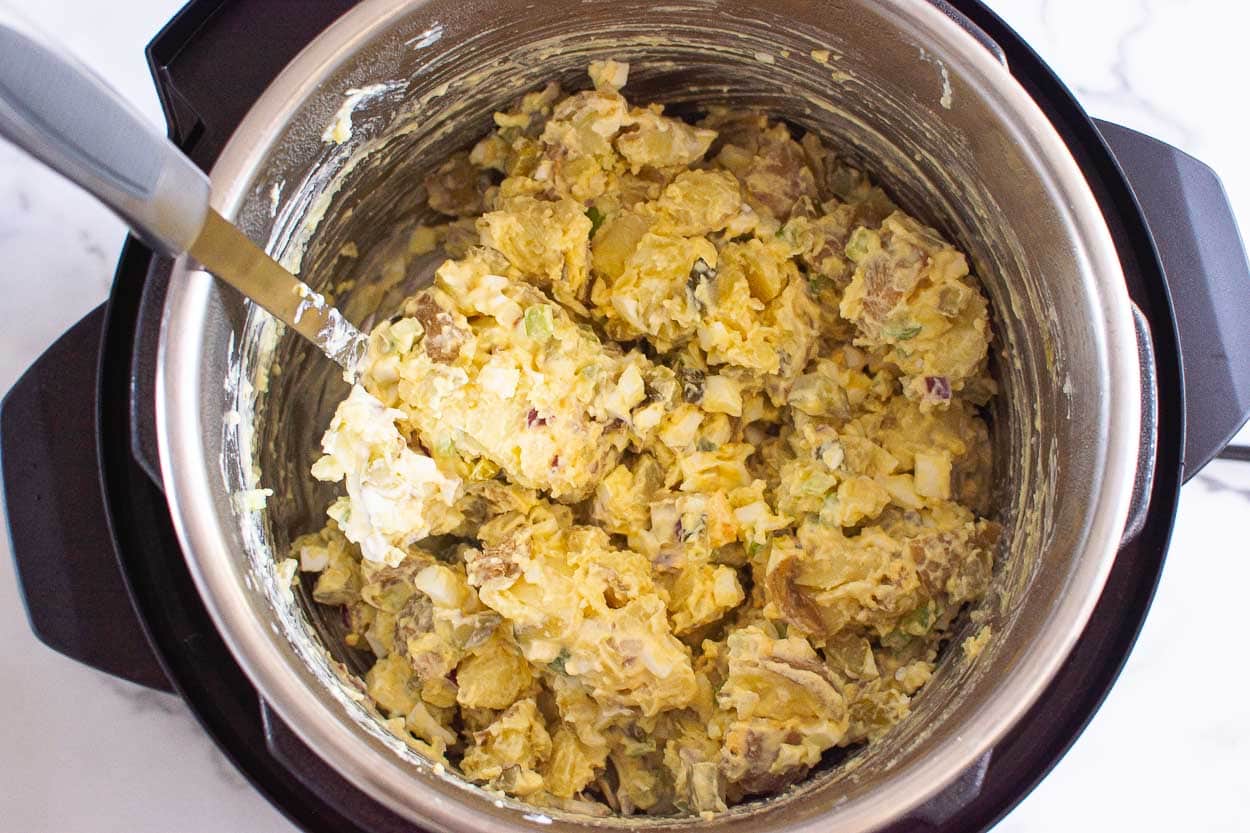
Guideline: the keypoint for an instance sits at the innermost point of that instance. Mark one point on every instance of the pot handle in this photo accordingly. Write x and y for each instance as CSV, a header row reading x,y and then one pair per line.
x,y
63,551
978,34
1144,478
1208,277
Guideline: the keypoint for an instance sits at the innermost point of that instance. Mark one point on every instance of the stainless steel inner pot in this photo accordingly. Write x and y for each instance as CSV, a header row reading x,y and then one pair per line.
x,y
905,92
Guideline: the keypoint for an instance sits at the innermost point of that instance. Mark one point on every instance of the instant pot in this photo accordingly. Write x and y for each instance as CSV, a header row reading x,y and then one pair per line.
x,y
1120,292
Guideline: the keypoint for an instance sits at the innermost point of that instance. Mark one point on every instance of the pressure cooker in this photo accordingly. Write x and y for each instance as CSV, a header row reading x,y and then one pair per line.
x,y
1120,295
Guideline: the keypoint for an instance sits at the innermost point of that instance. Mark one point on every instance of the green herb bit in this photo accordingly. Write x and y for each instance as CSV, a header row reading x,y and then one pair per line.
x,y
596,219
895,640
557,664
902,332
918,622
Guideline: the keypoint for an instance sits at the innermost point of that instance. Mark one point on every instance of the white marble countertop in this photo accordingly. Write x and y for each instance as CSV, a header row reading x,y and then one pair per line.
x,y
86,753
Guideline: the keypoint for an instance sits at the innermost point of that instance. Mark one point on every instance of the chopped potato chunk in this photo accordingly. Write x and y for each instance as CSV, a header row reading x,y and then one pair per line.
x,y
676,478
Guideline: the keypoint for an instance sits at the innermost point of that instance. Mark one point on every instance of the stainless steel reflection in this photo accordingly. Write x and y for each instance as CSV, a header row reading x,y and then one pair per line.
x,y
903,91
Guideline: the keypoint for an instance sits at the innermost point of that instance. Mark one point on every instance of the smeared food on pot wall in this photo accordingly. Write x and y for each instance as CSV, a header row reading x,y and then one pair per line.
x,y
676,478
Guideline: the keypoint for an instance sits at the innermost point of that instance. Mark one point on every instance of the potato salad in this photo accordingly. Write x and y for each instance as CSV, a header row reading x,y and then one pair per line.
x,y
676,478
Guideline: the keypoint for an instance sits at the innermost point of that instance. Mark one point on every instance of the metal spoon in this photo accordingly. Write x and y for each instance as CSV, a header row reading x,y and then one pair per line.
x,y
68,118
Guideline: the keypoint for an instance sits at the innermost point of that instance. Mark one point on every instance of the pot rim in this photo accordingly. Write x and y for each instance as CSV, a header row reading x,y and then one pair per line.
x,y
264,652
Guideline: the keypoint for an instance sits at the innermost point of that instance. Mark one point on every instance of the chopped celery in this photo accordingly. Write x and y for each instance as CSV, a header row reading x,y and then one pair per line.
x,y
539,323
445,446
862,243
817,483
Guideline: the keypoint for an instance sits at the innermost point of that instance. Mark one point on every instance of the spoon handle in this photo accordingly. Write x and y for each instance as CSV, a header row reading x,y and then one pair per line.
x,y
68,118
